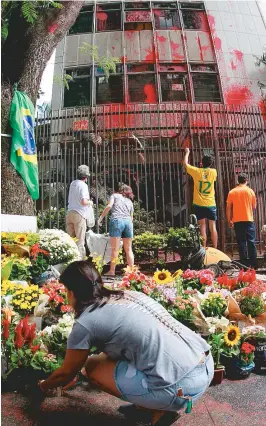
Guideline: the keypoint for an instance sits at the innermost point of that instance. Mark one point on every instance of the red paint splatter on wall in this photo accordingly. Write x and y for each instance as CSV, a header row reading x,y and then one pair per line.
x,y
101,16
52,28
211,22
150,93
233,65
161,39
177,55
150,55
217,43
238,95
238,54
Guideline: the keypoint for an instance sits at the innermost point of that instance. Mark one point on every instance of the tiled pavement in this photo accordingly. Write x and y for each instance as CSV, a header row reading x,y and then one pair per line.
x,y
233,403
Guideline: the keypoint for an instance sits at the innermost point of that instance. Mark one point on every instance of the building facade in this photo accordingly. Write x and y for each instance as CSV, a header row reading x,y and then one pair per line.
x,y
181,74
167,51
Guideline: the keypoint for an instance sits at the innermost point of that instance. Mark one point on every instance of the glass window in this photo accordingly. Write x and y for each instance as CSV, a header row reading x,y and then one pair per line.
x,y
142,88
172,67
84,21
137,5
174,87
164,5
79,90
140,68
206,88
196,67
108,17
138,16
109,91
188,5
166,19
195,20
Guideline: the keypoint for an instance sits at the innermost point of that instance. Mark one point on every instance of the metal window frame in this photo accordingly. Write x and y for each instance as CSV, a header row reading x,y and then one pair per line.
x,y
71,69
92,12
186,85
108,11
218,82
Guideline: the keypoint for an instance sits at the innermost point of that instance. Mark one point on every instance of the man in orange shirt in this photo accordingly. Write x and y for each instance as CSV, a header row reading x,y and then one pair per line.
x,y
239,211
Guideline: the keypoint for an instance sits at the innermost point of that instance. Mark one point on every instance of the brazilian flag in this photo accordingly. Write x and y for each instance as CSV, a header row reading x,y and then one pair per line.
x,y
23,150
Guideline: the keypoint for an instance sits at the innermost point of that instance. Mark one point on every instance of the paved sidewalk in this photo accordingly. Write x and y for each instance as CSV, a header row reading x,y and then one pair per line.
x,y
238,403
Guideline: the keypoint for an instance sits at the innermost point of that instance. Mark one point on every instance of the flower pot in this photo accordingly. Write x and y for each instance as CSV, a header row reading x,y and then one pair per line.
x,y
218,376
244,369
230,364
260,354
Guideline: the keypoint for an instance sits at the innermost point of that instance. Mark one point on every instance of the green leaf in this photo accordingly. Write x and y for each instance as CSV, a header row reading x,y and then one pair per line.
x,y
4,31
6,270
29,12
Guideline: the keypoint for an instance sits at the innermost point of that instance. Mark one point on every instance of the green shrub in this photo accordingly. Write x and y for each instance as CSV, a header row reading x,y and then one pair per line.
x,y
147,244
179,237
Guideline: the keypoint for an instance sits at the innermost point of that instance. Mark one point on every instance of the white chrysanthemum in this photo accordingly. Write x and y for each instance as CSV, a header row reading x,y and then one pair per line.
x,y
60,245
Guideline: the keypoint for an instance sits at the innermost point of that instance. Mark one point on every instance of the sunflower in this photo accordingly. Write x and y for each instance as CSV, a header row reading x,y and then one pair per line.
x,y
21,239
178,273
232,335
162,277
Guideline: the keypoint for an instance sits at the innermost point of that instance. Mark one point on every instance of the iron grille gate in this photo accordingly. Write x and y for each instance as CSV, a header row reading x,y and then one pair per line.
x,y
142,145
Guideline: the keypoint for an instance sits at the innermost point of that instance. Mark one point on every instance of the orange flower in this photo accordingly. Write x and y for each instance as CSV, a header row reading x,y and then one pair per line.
x,y
8,313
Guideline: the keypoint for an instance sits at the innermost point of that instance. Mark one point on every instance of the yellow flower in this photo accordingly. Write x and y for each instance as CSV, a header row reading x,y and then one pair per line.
x,y
34,295
232,335
178,273
4,234
23,305
21,239
28,298
162,277
33,304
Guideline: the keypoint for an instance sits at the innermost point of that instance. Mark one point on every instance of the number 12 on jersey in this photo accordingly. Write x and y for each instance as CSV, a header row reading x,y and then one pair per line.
x,y
204,187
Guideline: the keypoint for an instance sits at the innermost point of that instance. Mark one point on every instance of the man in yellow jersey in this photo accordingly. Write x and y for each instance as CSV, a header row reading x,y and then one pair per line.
x,y
204,195
241,202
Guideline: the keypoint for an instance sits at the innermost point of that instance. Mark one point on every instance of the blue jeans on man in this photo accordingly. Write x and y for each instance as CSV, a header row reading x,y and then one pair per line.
x,y
246,237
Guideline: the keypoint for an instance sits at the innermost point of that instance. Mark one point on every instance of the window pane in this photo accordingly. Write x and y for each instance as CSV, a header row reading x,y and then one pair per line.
x,y
78,93
173,87
188,5
164,5
196,67
137,5
206,88
166,19
141,88
195,20
110,91
140,67
108,21
109,6
83,24
138,16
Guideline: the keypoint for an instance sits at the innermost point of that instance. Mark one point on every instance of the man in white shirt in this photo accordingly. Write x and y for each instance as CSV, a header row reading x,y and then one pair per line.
x,y
78,208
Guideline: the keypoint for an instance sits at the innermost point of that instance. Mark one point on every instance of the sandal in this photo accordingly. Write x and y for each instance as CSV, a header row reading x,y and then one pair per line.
x,y
167,419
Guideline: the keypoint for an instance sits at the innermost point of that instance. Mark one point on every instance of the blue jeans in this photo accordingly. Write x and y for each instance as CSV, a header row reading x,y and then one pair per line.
x,y
246,238
133,386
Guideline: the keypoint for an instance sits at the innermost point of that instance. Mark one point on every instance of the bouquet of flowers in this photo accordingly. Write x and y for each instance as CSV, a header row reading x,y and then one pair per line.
x,y
248,304
198,280
25,298
214,305
246,355
57,301
54,338
19,268
61,247
136,280
182,310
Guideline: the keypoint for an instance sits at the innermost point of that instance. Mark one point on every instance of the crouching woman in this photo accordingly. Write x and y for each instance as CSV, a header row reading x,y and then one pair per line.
x,y
148,358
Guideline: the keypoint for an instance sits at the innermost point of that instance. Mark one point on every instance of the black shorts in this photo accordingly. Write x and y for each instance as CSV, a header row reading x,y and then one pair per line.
x,y
205,212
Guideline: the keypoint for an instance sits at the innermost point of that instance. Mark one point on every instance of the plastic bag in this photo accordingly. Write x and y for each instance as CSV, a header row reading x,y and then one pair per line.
x,y
90,217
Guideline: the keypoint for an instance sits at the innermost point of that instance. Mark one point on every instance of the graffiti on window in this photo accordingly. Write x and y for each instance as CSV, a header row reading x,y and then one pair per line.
x,y
141,88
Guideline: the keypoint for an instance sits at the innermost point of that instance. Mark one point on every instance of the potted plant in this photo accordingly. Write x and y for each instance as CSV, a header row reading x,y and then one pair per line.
x,y
216,341
245,363
197,280
214,305
256,335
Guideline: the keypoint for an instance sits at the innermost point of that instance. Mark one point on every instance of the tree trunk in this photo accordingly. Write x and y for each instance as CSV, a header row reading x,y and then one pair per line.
x,y
25,54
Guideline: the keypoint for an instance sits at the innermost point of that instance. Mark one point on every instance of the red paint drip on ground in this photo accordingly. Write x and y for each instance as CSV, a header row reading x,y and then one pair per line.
x,y
238,95
150,93
217,43
233,65
52,28
238,54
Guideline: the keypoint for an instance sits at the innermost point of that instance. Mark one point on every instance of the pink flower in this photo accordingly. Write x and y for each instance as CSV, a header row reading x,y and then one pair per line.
x,y
182,307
